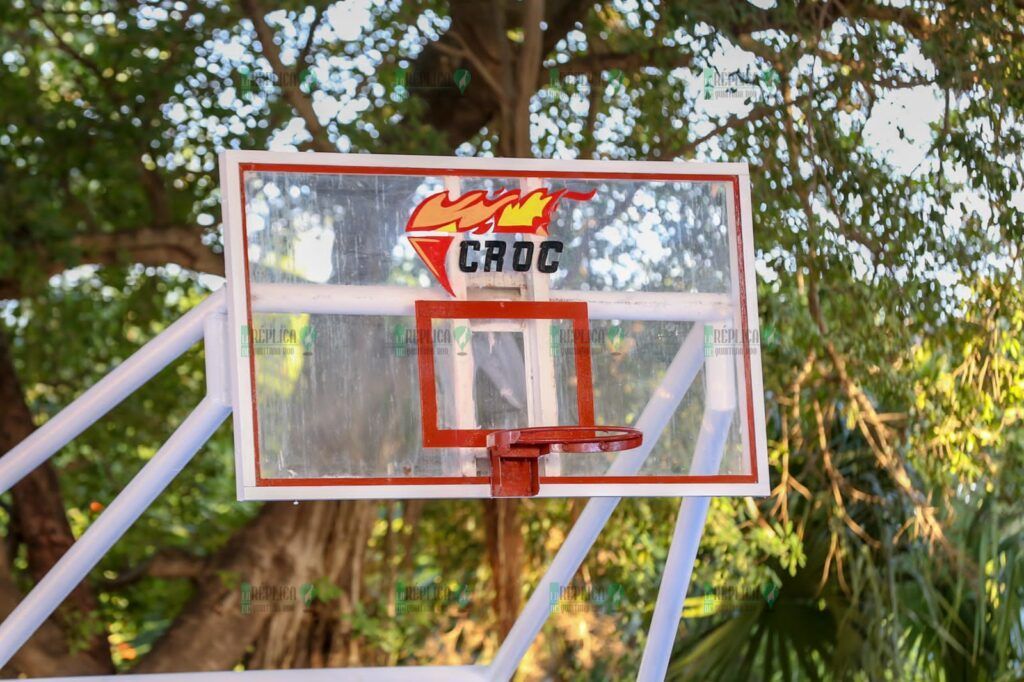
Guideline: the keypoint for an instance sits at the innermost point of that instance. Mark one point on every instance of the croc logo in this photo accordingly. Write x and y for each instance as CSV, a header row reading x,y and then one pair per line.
x,y
434,225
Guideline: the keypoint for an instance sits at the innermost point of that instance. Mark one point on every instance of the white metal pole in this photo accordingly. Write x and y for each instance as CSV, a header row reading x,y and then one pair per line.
x,y
682,553
106,393
719,405
652,422
76,563
430,673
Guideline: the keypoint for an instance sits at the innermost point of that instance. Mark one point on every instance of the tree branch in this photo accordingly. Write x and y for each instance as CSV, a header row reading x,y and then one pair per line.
x,y
168,564
589,145
878,437
313,26
40,520
46,653
479,26
666,57
180,245
756,114
77,56
288,78
464,52
529,61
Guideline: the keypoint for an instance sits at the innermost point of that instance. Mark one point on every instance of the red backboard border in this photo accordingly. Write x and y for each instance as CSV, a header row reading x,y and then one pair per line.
x,y
733,180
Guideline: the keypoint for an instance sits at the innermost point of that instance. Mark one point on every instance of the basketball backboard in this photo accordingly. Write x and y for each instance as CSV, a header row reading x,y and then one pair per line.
x,y
390,313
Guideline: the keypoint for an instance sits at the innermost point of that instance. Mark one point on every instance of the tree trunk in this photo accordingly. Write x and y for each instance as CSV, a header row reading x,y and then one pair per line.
x,y
505,553
285,546
39,519
504,532
46,653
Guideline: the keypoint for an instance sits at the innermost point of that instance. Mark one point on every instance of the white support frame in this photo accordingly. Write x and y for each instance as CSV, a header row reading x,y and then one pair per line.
x,y
208,321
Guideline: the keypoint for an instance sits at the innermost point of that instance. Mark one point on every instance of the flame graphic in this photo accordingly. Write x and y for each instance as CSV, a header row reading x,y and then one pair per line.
x,y
508,212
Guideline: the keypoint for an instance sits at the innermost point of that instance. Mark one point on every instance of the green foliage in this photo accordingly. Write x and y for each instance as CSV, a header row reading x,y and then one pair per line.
x,y
70,336
895,382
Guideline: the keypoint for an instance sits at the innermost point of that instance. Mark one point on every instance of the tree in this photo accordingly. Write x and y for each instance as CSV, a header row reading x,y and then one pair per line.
x,y
894,398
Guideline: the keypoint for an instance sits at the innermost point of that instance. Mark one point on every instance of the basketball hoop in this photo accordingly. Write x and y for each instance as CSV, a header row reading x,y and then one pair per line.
x,y
514,453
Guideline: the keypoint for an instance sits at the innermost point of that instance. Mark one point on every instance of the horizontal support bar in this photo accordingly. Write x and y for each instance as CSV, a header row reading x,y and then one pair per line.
x,y
87,551
106,393
440,673
346,299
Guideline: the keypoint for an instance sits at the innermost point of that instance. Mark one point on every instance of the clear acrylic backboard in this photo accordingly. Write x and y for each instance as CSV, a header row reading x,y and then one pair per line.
x,y
389,312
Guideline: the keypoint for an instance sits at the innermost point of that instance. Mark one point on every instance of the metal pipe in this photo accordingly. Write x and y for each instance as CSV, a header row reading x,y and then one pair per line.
x,y
663,403
682,553
440,673
652,422
217,347
76,563
342,299
106,393
719,405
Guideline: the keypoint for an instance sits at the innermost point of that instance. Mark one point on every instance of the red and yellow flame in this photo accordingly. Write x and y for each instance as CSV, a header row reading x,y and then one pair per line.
x,y
508,212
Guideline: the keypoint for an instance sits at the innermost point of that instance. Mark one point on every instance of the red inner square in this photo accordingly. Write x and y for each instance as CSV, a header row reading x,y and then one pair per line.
x,y
427,311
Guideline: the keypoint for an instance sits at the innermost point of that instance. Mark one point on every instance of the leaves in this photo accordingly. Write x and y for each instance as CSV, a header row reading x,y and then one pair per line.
x,y
892,289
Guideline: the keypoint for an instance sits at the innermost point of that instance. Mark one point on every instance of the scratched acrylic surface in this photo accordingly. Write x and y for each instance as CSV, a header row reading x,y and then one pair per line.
x,y
340,395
